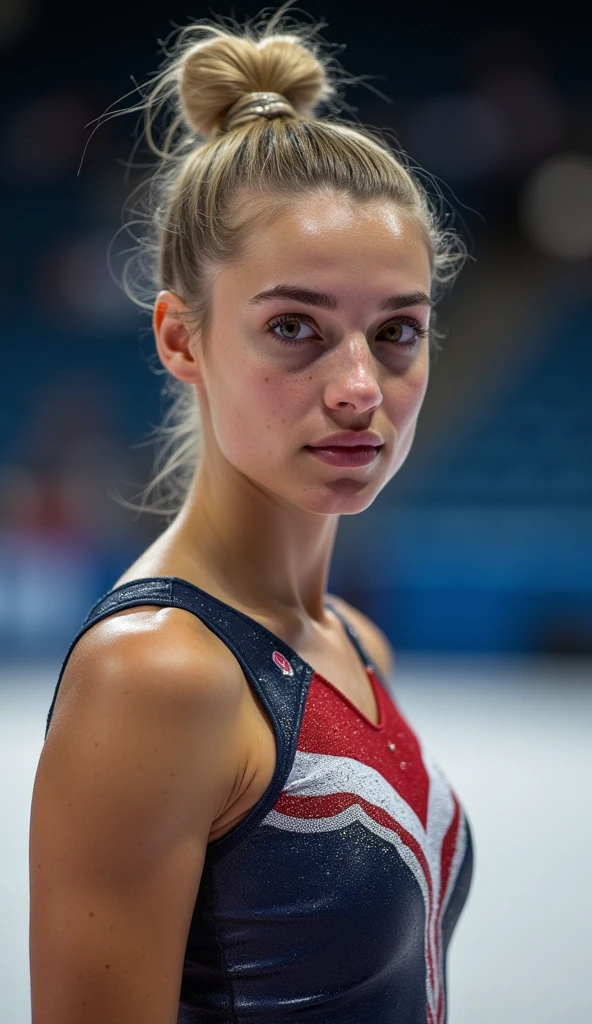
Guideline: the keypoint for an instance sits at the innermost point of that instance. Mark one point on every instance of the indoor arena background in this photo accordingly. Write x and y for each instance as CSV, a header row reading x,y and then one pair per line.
x,y
476,559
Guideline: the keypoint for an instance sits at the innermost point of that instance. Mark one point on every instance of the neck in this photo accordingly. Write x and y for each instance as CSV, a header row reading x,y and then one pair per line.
x,y
265,552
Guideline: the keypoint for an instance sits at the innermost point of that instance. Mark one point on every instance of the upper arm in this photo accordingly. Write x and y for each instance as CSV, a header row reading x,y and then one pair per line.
x,y
135,768
372,636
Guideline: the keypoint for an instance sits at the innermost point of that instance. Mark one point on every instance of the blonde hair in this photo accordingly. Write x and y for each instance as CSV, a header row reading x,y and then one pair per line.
x,y
211,185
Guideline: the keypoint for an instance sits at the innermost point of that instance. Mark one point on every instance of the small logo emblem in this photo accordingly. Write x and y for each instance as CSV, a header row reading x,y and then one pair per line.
x,y
282,663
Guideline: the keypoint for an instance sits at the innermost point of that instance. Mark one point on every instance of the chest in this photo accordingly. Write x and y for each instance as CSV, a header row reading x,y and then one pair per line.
x,y
342,672
364,846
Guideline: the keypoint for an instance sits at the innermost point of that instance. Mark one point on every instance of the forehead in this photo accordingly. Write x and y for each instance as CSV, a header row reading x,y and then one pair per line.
x,y
350,244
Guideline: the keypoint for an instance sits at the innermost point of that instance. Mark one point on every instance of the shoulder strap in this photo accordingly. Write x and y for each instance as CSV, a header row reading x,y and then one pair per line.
x,y
355,639
280,677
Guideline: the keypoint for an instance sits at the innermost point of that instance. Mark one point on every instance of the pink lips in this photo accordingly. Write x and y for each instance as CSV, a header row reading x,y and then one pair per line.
x,y
349,439
358,455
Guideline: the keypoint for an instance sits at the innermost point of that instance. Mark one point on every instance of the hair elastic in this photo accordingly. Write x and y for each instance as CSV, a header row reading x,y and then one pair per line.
x,y
256,104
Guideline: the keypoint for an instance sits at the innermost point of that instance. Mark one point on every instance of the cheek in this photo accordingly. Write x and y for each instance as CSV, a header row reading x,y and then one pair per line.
x,y
405,403
254,410
407,392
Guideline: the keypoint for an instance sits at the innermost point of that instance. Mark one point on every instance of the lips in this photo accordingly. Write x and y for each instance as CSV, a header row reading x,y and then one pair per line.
x,y
343,447
350,439
346,455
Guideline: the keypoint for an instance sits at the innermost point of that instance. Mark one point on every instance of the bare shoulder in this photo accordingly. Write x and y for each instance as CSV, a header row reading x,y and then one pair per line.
x,y
160,649
151,665
142,756
372,636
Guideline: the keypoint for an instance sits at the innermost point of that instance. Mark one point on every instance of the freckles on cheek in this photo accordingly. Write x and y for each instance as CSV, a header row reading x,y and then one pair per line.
x,y
274,395
257,413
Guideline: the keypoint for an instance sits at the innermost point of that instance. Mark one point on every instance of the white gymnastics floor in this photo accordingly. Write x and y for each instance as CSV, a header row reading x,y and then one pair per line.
x,y
514,739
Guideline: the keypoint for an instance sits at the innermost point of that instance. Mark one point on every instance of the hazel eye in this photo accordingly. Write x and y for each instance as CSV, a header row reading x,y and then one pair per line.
x,y
395,332
290,329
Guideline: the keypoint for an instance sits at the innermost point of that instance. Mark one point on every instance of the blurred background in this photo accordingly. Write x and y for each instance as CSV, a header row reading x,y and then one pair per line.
x,y
476,560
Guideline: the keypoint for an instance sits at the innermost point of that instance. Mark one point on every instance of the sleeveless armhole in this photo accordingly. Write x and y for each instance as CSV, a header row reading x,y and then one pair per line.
x,y
278,675
362,846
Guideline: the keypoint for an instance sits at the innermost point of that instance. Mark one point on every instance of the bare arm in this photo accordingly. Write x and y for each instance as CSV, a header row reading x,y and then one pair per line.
x,y
136,766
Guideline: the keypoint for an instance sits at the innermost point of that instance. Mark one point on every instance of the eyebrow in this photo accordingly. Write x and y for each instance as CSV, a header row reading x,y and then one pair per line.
x,y
325,301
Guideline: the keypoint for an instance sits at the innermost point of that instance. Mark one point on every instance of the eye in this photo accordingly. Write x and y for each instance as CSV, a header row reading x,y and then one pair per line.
x,y
290,326
288,329
395,331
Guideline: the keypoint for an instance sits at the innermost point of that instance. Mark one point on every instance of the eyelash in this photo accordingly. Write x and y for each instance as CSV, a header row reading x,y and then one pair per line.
x,y
302,318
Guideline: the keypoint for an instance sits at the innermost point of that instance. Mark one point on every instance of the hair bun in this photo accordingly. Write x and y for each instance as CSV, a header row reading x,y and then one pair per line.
x,y
214,74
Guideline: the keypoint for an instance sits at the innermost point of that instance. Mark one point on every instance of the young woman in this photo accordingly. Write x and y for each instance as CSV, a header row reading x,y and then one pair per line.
x,y
232,821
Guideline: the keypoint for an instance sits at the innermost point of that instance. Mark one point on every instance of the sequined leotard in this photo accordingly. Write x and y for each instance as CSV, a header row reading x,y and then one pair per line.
x,y
333,901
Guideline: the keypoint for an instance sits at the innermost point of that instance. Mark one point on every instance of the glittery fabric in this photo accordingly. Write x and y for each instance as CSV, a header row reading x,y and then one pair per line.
x,y
335,899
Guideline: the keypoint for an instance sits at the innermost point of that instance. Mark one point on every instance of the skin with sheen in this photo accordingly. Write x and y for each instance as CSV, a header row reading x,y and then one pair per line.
x,y
262,512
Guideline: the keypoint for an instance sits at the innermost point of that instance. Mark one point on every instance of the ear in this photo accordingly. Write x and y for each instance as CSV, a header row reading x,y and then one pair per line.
x,y
176,340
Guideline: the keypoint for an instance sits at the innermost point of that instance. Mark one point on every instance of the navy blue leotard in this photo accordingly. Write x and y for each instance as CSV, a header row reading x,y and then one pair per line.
x,y
333,901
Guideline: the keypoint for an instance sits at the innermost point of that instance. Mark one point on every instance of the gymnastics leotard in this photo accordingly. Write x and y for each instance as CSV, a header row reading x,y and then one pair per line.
x,y
334,900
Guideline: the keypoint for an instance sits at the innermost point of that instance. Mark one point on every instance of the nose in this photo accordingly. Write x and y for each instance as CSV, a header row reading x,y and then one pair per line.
x,y
352,378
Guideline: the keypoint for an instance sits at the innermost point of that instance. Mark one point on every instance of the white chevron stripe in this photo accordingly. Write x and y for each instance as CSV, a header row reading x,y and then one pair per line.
x,y
315,774
440,815
457,859
324,774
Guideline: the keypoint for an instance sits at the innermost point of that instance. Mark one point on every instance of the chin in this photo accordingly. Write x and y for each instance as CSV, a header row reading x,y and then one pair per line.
x,y
342,497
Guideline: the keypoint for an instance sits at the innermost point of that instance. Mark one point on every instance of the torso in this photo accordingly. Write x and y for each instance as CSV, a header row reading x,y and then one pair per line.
x,y
332,655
